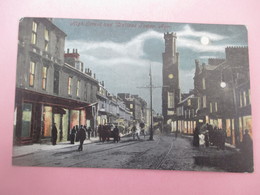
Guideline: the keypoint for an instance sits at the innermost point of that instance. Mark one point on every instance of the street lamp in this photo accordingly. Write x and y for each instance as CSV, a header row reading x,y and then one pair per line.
x,y
223,85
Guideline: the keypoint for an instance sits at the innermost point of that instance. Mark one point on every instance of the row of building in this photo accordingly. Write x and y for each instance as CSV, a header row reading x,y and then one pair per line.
x,y
54,87
221,94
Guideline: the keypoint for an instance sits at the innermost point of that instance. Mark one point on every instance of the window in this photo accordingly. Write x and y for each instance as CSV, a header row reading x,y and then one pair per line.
x,y
46,36
32,74
131,106
189,102
170,100
34,33
203,83
56,81
210,107
199,103
44,77
78,85
244,95
204,102
216,106
69,85
241,99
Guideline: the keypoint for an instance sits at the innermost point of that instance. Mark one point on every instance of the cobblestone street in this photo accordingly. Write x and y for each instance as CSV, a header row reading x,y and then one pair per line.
x,y
165,153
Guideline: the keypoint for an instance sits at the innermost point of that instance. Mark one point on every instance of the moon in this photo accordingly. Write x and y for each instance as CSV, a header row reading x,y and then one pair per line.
x,y
204,40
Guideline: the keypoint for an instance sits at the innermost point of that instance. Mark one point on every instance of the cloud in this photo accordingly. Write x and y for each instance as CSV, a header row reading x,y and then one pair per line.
x,y
187,31
112,53
190,39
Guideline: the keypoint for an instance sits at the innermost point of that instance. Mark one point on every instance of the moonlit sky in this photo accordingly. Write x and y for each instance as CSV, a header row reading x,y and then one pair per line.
x,y
120,52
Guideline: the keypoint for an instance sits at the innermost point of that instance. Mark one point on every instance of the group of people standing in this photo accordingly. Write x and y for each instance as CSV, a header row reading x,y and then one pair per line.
x,y
208,136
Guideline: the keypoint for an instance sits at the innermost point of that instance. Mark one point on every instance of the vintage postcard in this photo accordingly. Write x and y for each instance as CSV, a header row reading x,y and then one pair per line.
x,y
132,95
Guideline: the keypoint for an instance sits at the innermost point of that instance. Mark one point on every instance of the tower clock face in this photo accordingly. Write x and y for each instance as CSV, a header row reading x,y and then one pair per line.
x,y
170,76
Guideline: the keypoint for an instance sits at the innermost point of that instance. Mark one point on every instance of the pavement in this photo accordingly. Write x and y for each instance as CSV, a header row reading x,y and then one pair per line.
x,y
36,147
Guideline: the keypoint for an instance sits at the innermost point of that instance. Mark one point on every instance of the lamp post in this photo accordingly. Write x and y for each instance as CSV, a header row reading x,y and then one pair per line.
x,y
223,85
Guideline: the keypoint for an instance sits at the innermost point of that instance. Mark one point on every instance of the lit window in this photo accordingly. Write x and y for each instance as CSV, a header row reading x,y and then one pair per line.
x,y
170,100
203,83
69,85
204,102
210,107
77,92
216,106
244,95
189,102
44,77
46,35
131,106
34,33
32,74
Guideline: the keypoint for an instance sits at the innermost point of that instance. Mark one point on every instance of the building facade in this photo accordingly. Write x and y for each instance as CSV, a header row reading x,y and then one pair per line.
x,y
48,91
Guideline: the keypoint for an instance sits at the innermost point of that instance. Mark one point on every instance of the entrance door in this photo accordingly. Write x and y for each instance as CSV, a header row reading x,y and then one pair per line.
x,y
57,121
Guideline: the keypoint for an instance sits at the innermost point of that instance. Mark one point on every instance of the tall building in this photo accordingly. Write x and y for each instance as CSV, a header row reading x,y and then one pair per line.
x,y
170,72
49,91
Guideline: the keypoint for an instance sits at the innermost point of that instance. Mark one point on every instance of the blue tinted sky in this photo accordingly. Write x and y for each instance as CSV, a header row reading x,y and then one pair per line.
x,y
120,52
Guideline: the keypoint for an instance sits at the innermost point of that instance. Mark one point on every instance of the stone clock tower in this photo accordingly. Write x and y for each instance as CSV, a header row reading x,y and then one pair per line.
x,y
170,72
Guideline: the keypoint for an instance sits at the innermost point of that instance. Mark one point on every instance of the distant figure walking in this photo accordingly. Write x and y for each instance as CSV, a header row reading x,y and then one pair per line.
x,y
54,133
82,137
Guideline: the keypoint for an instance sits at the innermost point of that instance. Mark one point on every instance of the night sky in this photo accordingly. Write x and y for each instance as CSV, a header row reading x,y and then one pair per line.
x,y
120,52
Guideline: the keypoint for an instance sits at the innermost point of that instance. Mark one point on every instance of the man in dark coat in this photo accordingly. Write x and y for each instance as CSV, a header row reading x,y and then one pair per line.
x,y
54,133
72,135
89,131
116,134
82,137
247,152
196,137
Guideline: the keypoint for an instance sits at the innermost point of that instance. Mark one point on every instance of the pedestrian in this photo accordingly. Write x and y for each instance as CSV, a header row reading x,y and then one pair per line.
x,y
100,129
201,140
89,130
54,133
247,152
77,130
82,137
116,134
196,137
222,139
176,134
133,131
72,135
